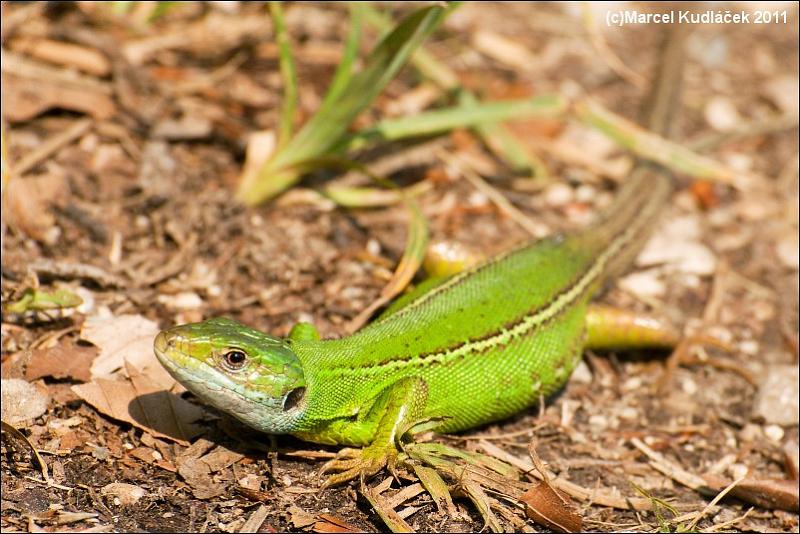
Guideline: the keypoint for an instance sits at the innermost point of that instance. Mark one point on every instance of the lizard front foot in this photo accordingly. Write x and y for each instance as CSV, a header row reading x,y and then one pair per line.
x,y
361,463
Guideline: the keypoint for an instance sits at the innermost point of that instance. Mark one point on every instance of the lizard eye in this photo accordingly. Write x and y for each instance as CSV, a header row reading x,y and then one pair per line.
x,y
234,360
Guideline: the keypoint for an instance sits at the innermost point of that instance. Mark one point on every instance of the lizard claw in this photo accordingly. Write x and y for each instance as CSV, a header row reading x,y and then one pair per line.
x,y
355,463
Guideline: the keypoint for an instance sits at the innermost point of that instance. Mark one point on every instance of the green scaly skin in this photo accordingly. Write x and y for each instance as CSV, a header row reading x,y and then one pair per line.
x,y
480,346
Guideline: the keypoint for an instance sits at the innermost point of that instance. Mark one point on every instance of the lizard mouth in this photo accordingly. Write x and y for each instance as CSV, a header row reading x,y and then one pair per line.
x,y
161,344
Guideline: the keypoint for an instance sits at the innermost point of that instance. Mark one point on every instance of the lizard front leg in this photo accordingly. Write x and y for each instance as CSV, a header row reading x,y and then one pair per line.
x,y
396,409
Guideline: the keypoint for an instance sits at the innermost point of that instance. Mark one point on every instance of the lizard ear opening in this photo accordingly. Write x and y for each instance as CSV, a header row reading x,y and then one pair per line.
x,y
293,398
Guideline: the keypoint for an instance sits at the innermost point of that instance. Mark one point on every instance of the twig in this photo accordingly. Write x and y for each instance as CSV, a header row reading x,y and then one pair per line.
x,y
607,54
494,195
600,497
726,524
19,435
256,519
54,143
713,502
672,470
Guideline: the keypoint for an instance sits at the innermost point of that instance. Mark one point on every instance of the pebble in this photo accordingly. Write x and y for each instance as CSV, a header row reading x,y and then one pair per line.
x,y
721,114
774,433
644,284
777,401
21,402
582,374
186,300
559,194
124,494
598,422
750,432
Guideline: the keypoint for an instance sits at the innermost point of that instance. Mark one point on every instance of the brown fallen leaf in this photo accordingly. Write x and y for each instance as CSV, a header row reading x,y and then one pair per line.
x,y
61,53
25,98
300,518
121,339
21,402
27,202
64,361
549,509
331,524
200,461
547,505
769,493
142,402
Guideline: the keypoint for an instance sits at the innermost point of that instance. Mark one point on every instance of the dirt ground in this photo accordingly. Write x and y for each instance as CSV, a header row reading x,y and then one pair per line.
x,y
125,151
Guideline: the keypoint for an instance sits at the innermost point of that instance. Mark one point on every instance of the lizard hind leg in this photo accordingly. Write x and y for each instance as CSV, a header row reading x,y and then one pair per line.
x,y
615,328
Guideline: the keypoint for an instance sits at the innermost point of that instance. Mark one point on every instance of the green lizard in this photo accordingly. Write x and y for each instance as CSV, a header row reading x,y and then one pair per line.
x,y
480,346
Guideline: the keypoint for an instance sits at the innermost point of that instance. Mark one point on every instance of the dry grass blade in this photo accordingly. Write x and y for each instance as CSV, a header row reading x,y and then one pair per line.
x,y
494,195
653,147
595,496
713,502
437,488
412,258
482,503
675,472
386,512
20,436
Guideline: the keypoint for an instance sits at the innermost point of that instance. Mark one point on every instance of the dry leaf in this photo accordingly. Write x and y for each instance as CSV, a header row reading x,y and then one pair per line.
x,y
25,98
549,509
769,493
144,403
27,201
126,338
331,524
64,361
21,402
61,53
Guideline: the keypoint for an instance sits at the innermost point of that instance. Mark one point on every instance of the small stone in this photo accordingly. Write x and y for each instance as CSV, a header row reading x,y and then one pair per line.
x,y
749,347
644,284
689,386
22,402
582,374
187,300
124,494
777,402
559,194
633,383
787,250
598,422
630,413
750,432
737,471
774,433
721,114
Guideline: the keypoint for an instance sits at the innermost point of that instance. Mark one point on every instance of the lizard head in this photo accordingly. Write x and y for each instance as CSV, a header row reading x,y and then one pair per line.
x,y
255,377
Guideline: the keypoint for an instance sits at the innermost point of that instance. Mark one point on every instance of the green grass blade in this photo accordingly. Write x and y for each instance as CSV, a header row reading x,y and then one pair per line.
x,y
325,129
442,120
288,73
345,69
501,141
